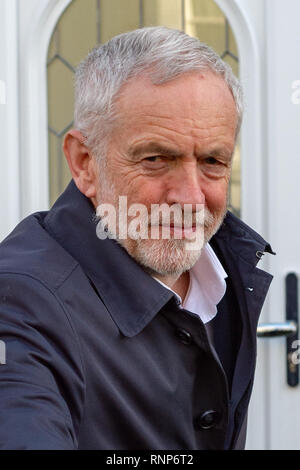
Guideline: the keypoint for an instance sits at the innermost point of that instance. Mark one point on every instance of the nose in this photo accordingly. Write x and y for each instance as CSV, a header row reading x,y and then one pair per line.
x,y
185,187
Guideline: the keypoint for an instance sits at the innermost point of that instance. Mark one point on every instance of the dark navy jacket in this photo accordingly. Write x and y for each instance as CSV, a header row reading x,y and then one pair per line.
x,y
100,356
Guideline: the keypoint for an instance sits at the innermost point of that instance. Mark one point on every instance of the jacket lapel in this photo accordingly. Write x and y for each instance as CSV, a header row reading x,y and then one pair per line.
x,y
241,249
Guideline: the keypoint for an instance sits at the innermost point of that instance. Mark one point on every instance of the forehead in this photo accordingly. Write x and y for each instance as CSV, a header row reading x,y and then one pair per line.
x,y
193,96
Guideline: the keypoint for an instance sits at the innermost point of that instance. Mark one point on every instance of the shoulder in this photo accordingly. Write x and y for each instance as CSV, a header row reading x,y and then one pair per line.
x,y
31,251
33,266
236,230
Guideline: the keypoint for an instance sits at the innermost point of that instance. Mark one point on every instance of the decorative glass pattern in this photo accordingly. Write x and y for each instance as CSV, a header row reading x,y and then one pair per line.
x,y
86,23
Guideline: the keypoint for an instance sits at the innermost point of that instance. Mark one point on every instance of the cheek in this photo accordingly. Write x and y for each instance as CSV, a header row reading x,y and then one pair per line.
x,y
141,190
216,197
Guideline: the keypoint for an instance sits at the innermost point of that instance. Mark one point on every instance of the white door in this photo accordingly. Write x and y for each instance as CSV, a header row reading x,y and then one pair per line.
x,y
275,409
268,37
270,188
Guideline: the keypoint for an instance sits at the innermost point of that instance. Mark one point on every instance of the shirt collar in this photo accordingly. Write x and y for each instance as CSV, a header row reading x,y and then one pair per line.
x,y
207,286
130,295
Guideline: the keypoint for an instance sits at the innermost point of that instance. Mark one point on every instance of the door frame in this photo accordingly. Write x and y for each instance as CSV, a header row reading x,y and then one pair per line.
x,y
38,19
9,119
37,22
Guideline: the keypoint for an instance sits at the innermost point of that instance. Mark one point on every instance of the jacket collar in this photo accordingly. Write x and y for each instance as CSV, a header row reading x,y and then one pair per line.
x,y
132,297
241,248
243,240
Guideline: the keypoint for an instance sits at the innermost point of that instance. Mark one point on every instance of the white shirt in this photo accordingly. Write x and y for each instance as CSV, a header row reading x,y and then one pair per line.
x,y
207,286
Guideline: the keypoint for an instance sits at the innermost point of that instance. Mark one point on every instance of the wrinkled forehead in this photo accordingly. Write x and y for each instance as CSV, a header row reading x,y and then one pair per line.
x,y
194,88
202,97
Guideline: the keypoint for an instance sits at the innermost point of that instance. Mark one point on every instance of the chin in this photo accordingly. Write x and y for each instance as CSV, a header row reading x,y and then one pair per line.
x,y
164,257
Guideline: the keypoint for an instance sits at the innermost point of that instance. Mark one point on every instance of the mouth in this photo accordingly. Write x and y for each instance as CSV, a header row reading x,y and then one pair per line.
x,y
178,231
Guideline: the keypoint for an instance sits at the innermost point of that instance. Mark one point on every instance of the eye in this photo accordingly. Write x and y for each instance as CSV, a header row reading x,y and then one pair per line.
x,y
154,159
215,167
212,161
154,162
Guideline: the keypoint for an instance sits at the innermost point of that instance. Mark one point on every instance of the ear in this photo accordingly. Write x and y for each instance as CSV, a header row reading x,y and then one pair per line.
x,y
82,164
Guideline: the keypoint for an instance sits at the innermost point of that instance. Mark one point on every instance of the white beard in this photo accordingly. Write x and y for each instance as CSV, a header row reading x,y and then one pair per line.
x,y
162,256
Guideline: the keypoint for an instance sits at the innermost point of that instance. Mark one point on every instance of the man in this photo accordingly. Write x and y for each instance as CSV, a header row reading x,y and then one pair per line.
x,y
118,337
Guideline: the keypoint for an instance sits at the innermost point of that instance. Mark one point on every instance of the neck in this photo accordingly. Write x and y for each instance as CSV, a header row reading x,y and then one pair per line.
x,y
179,284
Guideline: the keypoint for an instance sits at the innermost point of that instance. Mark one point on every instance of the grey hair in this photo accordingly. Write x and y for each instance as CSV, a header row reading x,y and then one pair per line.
x,y
162,53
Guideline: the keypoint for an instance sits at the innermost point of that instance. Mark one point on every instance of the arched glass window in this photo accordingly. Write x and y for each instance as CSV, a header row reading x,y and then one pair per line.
x,y
86,23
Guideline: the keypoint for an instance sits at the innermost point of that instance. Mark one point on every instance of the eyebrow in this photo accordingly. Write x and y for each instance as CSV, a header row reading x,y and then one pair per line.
x,y
153,148
217,151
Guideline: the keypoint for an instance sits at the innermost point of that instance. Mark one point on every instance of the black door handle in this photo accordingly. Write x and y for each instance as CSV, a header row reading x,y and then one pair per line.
x,y
288,329
291,308
270,330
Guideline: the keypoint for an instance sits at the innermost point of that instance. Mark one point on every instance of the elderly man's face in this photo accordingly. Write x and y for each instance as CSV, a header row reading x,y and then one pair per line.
x,y
172,144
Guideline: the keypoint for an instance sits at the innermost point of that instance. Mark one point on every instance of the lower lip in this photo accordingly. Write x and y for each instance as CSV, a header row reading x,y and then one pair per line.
x,y
179,231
